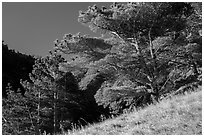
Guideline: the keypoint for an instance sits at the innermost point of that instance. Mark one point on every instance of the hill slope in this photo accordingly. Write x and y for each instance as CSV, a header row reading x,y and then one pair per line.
x,y
177,116
15,66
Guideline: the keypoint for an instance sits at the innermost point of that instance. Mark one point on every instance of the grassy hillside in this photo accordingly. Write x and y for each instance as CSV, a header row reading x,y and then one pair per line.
x,y
180,115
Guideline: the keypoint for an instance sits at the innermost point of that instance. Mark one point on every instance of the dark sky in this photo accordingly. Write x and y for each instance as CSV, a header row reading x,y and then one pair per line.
x,y
31,27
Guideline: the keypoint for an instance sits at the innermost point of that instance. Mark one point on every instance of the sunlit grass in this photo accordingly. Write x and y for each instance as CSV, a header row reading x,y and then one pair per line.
x,y
180,115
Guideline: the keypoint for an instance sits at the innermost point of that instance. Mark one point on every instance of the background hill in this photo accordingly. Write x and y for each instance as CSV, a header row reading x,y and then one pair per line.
x,y
15,66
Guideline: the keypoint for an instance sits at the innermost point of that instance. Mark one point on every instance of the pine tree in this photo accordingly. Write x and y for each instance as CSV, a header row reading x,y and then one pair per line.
x,y
19,114
144,46
138,25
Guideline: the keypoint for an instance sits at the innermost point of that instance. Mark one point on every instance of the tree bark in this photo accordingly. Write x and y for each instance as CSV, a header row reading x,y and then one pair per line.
x,y
54,105
38,119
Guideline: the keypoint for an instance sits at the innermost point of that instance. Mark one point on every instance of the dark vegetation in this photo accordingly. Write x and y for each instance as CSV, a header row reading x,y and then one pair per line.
x,y
154,50
15,66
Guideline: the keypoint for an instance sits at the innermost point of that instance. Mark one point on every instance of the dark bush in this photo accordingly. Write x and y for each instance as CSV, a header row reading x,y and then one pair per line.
x,y
120,99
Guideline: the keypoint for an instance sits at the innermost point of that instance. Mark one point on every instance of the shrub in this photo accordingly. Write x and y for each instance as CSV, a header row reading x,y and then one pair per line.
x,y
120,99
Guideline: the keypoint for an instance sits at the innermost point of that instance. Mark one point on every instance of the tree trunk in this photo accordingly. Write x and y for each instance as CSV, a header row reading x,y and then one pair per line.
x,y
150,44
155,71
38,119
195,69
55,111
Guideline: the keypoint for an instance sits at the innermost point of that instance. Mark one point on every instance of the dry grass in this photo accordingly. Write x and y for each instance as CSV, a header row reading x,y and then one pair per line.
x,y
181,115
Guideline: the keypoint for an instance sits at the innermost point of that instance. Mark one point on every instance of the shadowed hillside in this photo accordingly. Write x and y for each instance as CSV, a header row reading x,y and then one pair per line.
x,y
15,66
